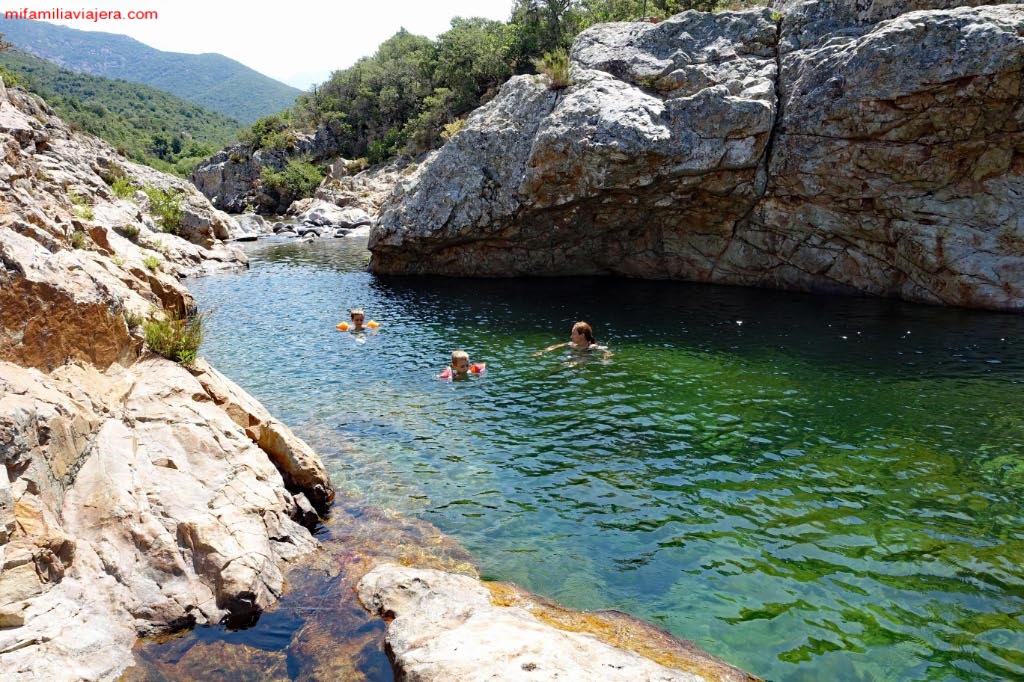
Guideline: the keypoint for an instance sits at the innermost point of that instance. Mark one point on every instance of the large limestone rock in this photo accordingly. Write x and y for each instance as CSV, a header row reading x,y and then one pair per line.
x,y
136,505
642,167
451,628
866,147
298,464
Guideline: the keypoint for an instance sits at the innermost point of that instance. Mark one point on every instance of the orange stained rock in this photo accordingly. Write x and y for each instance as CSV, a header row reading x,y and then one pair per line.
x,y
623,631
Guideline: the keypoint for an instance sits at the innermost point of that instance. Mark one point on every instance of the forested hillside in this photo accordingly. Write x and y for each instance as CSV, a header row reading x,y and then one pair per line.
x,y
414,92
210,80
148,125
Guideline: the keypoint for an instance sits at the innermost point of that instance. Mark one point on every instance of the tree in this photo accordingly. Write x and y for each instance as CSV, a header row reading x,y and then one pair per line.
x,y
472,60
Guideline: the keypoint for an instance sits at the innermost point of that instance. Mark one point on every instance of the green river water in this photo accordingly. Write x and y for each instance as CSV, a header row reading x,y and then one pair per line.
x,y
811,488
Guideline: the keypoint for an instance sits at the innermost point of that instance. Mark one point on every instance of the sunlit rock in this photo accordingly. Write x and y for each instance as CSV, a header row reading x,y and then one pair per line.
x,y
445,626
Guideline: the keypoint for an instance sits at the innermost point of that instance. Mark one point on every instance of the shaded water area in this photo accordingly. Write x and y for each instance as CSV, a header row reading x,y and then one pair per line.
x,y
810,488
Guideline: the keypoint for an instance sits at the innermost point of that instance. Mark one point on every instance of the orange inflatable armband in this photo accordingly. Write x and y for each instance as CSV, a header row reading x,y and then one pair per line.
x,y
343,326
372,325
477,367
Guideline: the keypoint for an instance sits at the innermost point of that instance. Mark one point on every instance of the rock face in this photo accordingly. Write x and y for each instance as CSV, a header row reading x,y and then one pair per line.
x,y
136,496
448,627
871,147
232,178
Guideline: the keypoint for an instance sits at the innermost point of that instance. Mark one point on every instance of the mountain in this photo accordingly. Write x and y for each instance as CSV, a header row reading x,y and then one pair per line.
x,y
211,80
148,125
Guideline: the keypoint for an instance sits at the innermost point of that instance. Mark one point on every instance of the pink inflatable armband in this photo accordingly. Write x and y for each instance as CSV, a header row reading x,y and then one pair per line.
x,y
477,368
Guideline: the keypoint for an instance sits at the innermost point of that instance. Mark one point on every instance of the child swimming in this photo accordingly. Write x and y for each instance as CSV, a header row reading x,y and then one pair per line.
x,y
461,367
357,316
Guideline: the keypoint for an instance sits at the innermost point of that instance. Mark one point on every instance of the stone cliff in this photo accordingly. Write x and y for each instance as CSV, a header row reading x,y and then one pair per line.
x,y
874,147
136,496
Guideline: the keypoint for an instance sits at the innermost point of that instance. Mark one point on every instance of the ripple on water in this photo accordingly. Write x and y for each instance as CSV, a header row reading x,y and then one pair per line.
x,y
805,505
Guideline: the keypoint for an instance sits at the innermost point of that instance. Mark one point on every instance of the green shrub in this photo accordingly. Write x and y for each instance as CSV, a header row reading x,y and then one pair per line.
x,y
133,320
12,79
392,144
114,173
130,232
266,130
555,65
79,240
166,206
298,180
174,337
357,165
123,188
452,129
283,140
151,262
81,208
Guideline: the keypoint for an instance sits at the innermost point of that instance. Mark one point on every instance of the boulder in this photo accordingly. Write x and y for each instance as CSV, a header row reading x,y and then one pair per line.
x,y
893,171
830,147
641,167
319,213
130,502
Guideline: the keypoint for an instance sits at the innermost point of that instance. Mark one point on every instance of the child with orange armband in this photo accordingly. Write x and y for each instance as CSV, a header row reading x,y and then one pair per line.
x,y
357,316
461,367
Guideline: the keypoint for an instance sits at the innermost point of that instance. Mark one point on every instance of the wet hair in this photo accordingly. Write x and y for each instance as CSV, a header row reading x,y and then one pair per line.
x,y
356,311
459,355
584,328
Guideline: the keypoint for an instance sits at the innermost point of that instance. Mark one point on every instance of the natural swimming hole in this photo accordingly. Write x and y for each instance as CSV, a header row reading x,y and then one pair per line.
x,y
810,487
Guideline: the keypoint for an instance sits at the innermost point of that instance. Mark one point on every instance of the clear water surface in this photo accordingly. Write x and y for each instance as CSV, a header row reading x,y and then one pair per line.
x,y
811,488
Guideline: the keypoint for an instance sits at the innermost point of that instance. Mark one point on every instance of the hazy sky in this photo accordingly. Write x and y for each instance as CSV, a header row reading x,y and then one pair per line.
x,y
296,41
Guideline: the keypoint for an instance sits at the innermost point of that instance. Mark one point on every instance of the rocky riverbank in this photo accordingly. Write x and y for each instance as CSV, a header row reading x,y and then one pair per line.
x,y
866,148
137,496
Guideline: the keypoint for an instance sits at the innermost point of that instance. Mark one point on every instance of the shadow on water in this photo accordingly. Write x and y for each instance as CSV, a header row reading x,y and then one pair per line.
x,y
853,331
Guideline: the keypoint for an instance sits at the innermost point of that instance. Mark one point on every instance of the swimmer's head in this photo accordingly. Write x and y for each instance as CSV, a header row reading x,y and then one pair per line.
x,y
460,362
357,316
582,334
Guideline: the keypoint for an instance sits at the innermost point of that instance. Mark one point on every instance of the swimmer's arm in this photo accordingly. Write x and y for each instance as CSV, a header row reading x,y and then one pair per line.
x,y
551,348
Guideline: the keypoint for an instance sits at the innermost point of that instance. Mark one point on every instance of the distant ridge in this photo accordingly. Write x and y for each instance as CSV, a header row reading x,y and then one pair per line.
x,y
211,80
148,125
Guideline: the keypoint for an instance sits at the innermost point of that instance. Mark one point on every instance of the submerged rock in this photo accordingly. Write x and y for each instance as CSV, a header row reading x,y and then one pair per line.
x,y
820,147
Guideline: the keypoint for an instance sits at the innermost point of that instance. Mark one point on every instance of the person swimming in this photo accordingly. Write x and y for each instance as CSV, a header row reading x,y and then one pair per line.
x,y
461,367
581,338
357,316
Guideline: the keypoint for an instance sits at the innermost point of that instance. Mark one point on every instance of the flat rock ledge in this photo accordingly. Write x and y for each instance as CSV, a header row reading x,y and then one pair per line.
x,y
446,627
